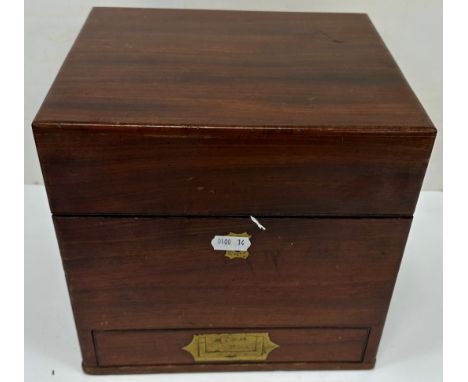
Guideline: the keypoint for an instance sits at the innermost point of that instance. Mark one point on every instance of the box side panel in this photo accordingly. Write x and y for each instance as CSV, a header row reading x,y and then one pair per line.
x,y
163,273
216,172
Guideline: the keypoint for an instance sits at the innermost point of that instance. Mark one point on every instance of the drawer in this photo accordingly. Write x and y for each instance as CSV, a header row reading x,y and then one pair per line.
x,y
184,347
219,172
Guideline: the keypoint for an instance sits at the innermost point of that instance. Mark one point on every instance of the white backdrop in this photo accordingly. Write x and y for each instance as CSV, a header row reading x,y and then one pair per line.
x,y
411,29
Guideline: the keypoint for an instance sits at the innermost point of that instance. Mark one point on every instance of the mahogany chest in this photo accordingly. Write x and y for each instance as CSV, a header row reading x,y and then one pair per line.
x,y
230,190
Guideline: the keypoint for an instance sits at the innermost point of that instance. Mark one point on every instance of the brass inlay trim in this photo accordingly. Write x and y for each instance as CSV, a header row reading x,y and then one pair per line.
x,y
230,347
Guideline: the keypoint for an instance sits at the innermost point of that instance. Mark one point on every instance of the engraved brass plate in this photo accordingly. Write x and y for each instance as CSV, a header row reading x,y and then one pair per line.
x,y
230,347
238,254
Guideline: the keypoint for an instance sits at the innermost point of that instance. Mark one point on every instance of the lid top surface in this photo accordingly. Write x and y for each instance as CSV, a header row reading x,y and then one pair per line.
x,y
230,68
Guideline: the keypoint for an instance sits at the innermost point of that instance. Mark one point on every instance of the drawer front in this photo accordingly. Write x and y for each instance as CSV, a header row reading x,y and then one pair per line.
x,y
162,273
185,347
156,171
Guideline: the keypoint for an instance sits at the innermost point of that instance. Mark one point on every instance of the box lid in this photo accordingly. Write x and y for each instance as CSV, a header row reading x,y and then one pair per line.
x,y
214,113
224,68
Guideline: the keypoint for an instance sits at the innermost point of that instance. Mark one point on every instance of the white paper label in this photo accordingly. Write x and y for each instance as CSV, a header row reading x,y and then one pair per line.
x,y
230,243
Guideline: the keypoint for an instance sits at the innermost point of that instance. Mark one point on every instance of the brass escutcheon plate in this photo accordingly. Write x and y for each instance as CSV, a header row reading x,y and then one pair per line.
x,y
230,347
238,254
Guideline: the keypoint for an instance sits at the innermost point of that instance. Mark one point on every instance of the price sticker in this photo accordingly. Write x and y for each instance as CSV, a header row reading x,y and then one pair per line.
x,y
230,243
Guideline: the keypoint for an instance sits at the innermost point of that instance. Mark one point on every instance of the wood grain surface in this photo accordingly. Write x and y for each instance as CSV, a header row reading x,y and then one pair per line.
x,y
219,172
162,273
210,68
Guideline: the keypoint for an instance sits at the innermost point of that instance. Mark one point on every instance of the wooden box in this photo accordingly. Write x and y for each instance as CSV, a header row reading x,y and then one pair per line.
x,y
166,130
